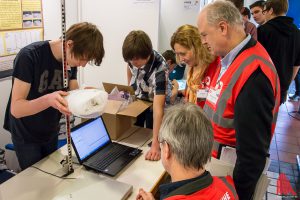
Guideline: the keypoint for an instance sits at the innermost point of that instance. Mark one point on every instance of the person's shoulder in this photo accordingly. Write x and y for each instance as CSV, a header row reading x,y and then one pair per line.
x,y
265,27
250,24
158,57
35,46
159,62
264,30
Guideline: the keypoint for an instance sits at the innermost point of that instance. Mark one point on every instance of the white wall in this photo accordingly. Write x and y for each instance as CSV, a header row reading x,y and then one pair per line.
x,y
172,15
115,20
247,3
52,17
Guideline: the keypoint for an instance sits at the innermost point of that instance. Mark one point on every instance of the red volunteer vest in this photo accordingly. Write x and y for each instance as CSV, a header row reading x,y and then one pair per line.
x,y
219,105
209,75
207,79
220,189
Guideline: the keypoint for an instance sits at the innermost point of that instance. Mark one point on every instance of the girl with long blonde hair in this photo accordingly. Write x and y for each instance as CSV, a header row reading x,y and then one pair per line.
x,y
186,43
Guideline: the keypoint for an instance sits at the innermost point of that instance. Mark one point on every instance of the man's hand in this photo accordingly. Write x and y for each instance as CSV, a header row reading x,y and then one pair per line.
x,y
143,195
57,101
154,152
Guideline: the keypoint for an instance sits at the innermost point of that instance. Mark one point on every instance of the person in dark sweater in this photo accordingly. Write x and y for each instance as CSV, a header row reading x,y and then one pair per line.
x,y
37,98
243,99
281,39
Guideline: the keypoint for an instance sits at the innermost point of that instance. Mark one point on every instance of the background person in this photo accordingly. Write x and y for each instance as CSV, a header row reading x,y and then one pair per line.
x,y
249,27
175,71
257,12
281,38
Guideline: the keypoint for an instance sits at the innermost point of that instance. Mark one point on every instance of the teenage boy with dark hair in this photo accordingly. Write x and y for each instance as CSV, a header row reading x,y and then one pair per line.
x,y
147,72
281,38
37,99
257,12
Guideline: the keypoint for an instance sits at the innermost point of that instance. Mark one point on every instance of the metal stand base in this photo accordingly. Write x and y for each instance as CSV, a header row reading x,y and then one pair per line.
x,y
63,172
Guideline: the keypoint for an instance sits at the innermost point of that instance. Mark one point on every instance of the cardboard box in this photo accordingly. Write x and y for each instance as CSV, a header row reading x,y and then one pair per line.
x,y
118,122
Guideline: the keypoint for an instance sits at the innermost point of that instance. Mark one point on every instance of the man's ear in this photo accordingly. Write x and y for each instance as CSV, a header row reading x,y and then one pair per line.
x,y
167,151
271,11
223,26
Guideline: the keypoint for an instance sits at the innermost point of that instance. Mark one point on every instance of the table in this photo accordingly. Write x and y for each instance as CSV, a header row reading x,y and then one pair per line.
x,y
34,184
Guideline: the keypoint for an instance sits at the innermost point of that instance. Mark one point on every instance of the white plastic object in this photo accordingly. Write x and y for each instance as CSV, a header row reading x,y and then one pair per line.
x,y
87,103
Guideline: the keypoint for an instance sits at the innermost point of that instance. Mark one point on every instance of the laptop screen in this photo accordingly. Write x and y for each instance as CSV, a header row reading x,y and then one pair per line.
x,y
89,137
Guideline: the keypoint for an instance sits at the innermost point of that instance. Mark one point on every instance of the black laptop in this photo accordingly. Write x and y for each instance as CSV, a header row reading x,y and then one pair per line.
x,y
95,150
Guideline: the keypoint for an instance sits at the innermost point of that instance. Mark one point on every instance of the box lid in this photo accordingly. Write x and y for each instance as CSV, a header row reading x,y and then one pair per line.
x,y
132,110
135,108
108,87
112,106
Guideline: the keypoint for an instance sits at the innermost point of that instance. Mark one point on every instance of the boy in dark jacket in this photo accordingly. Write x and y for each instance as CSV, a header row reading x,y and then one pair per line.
x,y
281,38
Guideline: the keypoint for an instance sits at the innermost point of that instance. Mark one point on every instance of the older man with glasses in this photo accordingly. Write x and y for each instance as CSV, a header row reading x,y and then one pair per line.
x,y
243,98
186,140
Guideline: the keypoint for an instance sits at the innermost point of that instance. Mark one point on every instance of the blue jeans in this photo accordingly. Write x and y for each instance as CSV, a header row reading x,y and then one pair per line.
x,y
28,154
297,83
147,116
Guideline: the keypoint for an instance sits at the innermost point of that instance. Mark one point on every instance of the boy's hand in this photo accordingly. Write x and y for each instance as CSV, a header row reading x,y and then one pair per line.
x,y
57,101
154,152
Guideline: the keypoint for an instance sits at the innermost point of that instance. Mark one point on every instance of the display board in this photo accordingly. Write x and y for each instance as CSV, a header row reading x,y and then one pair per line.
x,y
21,23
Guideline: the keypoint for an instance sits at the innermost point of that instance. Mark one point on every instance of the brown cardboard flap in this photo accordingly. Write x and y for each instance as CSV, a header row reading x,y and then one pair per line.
x,y
112,106
135,108
108,87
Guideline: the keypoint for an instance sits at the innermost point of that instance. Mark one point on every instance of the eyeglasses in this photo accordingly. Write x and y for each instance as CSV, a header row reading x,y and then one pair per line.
x,y
162,141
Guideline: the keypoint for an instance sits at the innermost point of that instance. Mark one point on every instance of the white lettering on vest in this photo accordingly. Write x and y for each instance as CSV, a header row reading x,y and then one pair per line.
x,y
225,196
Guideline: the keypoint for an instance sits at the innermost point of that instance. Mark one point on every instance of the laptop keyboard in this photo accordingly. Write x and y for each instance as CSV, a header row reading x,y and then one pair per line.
x,y
103,159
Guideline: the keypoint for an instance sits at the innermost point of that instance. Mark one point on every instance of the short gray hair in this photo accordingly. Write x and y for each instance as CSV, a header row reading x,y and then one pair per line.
x,y
223,11
189,134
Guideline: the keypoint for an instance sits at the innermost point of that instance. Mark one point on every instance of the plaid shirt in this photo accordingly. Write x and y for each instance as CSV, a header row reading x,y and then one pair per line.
x,y
151,79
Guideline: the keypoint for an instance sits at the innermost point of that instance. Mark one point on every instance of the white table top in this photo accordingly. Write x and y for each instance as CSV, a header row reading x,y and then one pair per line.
x,y
33,184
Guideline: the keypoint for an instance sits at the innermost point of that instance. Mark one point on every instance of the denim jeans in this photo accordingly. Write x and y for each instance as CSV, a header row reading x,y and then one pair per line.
x,y
28,154
297,83
147,116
